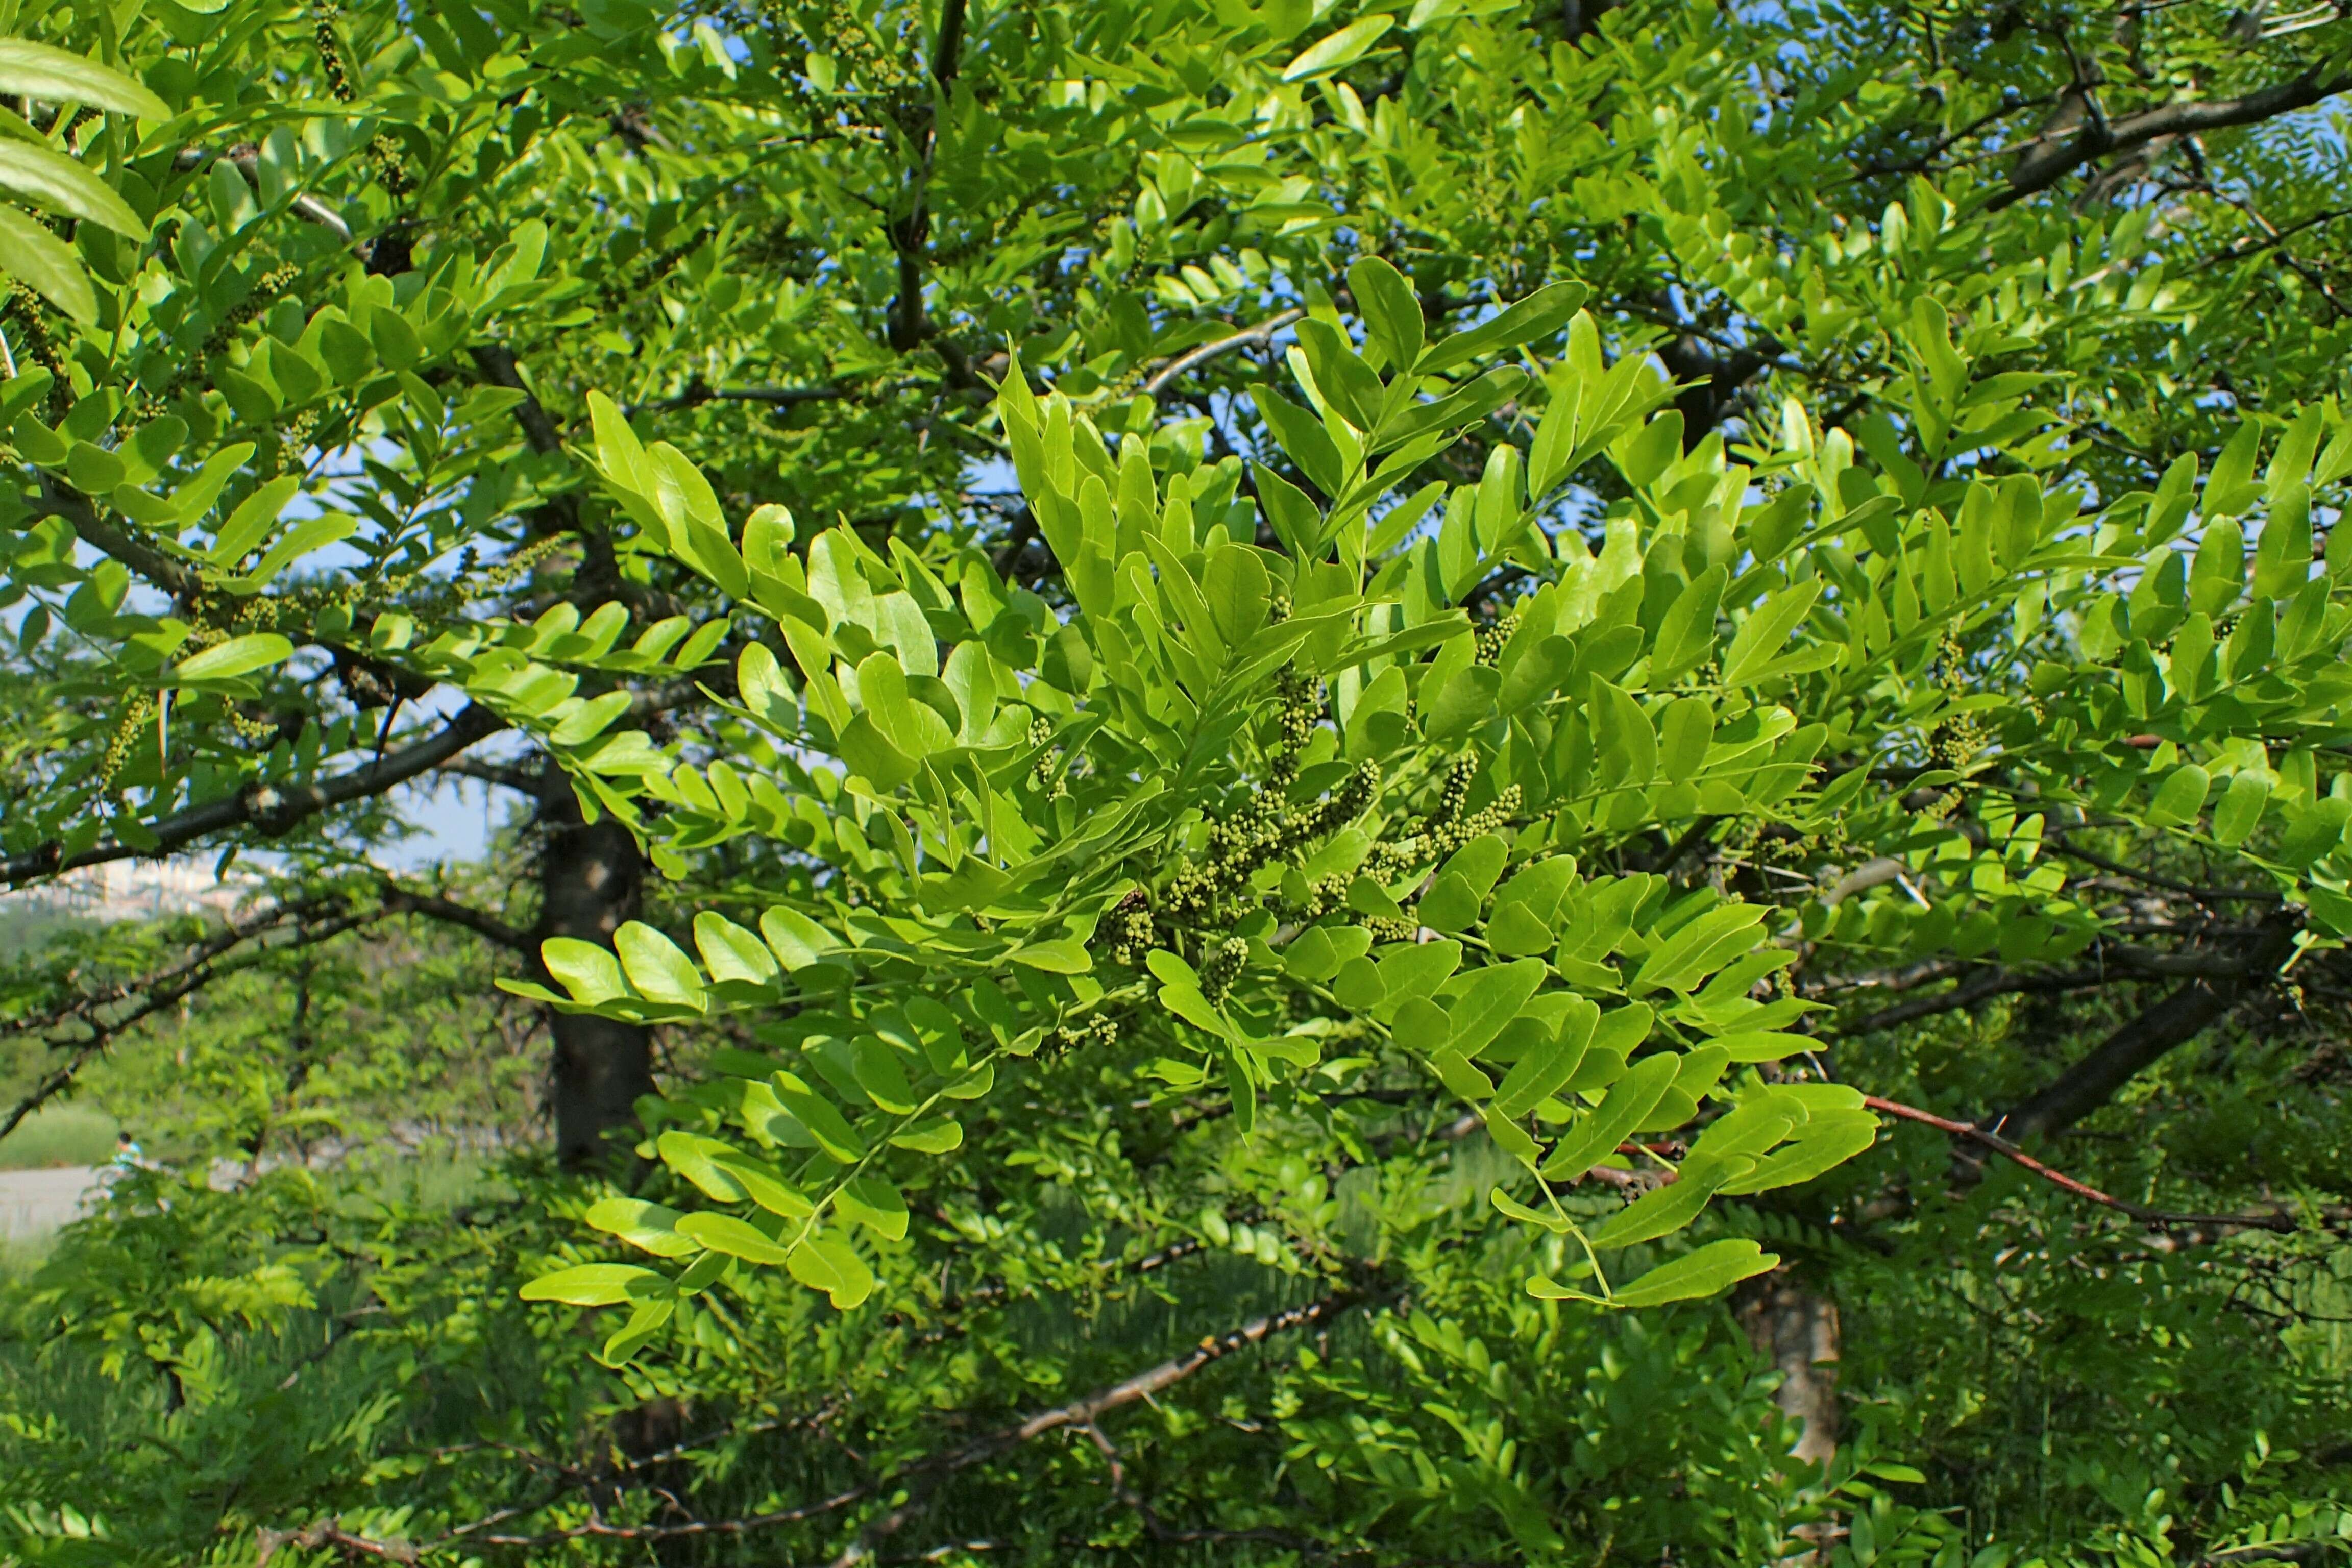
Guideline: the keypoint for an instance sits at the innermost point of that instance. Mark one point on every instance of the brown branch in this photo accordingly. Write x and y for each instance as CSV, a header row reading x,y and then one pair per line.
x,y
559,514
1870,874
499,773
2044,165
1943,145
1008,555
330,1532
497,363
2118,964
59,499
1158,1529
696,394
2238,250
1667,859
1255,337
2278,238
400,901
2275,1220
231,934
272,808
246,159
922,1479
910,235
685,1530
2202,895
1996,984
2179,1017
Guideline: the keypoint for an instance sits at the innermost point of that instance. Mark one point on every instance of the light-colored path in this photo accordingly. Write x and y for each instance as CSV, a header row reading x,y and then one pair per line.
x,y
33,1203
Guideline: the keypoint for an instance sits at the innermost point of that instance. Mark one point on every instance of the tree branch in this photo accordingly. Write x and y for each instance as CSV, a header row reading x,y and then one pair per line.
x,y
167,989
2180,1016
2044,165
2202,895
922,1479
2273,1219
400,901
220,942
1968,995
273,808
1192,360
497,363
559,514
330,1532
696,394
246,159
1157,1528
92,527
499,773
910,235
1870,874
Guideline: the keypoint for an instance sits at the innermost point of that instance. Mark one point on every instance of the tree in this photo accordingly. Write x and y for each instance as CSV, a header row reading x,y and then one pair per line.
x,y
1549,572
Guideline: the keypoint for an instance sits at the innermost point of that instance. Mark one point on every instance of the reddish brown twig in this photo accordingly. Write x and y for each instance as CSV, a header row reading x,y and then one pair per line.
x,y
330,1532
2275,1220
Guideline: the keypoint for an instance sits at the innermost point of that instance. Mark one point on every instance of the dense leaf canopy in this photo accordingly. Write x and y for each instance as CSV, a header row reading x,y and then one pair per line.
x,y
1301,783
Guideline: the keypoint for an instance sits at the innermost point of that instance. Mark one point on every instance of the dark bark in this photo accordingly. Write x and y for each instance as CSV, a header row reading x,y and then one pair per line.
x,y
591,878
600,574
271,809
910,235
2067,143
1718,382
2183,1013
1579,17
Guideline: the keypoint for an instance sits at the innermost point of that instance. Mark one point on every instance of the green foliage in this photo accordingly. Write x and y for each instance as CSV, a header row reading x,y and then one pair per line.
x,y
1108,826
1323,703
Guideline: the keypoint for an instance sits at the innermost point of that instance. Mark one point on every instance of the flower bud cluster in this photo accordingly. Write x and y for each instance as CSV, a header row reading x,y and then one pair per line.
x,y
385,150
1493,639
1323,896
1447,829
1041,775
118,749
1264,831
1126,934
1955,742
1259,834
331,52
1298,708
1221,966
1098,1031
1445,839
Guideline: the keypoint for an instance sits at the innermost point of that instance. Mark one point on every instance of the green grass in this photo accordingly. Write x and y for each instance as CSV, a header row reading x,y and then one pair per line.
x,y
21,1256
59,1135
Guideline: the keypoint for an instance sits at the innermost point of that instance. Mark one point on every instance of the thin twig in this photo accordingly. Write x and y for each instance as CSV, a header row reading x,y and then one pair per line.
x,y
1258,336
2277,1220
330,1532
2202,895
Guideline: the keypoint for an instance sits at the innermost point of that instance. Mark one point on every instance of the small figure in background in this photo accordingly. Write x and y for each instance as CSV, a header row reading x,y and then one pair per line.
x,y
128,1155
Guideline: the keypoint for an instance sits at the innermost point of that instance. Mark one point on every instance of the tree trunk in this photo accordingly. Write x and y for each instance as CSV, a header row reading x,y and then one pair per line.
x,y
1799,1330
591,878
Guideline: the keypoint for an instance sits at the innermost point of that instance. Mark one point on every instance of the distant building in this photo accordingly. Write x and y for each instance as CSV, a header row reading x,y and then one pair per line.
x,y
136,890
